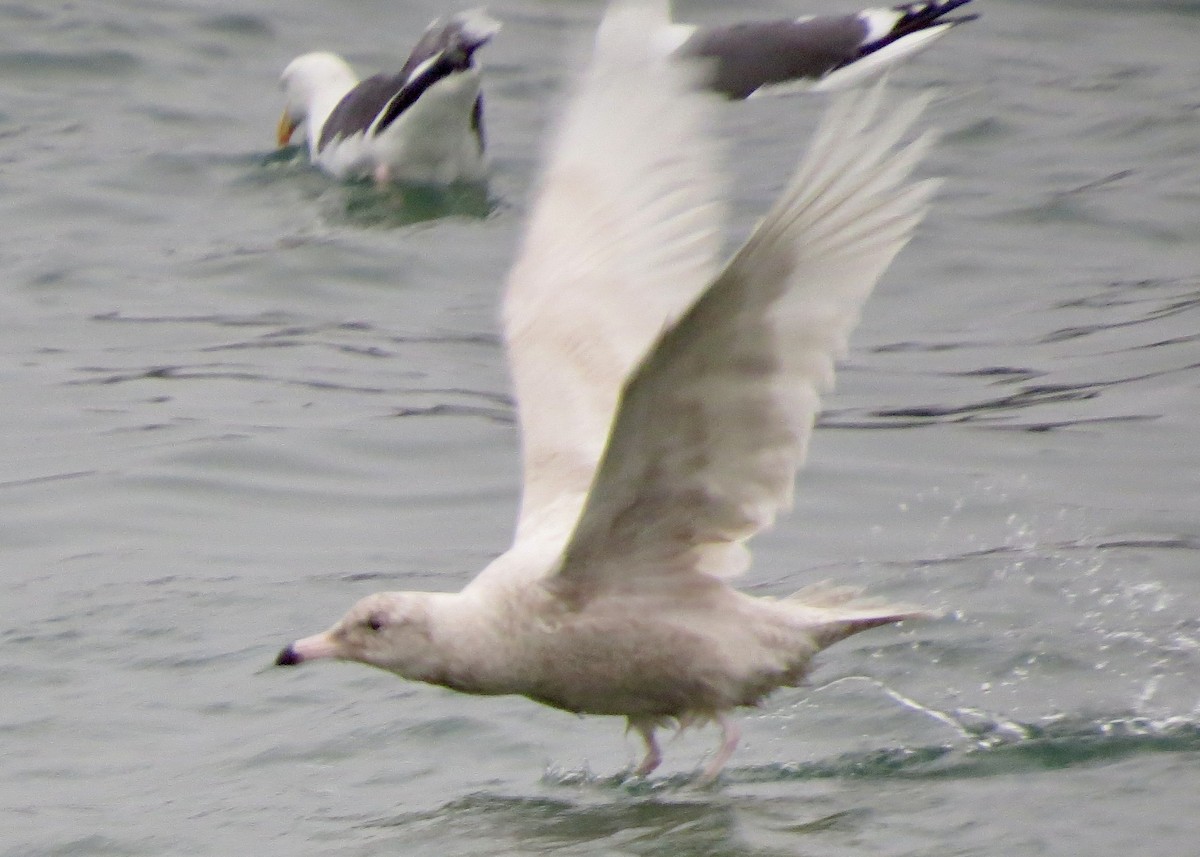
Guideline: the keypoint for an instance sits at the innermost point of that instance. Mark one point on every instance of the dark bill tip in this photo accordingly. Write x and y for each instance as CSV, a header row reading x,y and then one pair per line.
x,y
288,658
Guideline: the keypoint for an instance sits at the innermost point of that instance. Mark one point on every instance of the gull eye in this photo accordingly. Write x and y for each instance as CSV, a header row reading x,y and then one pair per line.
x,y
375,622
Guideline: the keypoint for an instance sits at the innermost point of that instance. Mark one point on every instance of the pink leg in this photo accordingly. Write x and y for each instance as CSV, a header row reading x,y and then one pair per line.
x,y
731,733
653,758
383,175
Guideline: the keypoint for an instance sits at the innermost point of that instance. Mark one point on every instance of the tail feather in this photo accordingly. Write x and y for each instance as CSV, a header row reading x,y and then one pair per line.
x,y
835,612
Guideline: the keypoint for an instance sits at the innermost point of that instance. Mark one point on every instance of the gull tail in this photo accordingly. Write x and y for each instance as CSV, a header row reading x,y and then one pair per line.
x,y
833,612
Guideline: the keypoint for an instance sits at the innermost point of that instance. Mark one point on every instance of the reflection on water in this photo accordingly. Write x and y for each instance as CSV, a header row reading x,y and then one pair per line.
x,y
669,816
366,205
684,825
362,203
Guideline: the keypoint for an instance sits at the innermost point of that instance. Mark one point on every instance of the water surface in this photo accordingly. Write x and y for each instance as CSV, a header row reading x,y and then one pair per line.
x,y
237,395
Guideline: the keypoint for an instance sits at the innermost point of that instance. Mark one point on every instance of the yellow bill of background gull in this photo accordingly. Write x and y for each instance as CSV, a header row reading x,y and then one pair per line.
x,y
422,125
665,404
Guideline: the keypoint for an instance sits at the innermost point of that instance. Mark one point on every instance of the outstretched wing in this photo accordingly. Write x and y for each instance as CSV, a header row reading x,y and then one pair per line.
x,y
716,421
623,237
815,52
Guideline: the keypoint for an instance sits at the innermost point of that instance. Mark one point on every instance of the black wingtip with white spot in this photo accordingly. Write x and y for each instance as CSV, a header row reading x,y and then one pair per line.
x,y
446,47
452,40
915,17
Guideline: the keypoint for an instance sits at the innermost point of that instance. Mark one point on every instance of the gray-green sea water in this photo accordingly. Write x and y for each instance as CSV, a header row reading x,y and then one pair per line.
x,y
236,395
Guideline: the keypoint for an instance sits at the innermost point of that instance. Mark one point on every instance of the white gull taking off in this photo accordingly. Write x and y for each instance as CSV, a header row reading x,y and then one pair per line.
x,y
819,52
422,125
665,404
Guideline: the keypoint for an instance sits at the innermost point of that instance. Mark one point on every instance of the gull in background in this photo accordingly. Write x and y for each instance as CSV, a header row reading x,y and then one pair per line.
x,y
665,404
423,125
813,53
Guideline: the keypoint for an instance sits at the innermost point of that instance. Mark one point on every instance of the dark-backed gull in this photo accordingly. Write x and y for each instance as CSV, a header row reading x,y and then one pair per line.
x,y
424,124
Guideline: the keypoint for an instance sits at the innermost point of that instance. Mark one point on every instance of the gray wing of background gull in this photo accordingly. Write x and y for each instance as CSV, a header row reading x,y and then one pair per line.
x,y
822,52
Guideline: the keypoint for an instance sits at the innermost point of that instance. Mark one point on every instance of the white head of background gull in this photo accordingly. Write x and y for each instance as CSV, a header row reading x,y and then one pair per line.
x,y
665,404
424,124
814,53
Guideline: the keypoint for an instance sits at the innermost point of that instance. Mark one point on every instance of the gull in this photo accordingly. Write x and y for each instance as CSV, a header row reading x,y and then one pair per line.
x,y
422,125
815,52
665,403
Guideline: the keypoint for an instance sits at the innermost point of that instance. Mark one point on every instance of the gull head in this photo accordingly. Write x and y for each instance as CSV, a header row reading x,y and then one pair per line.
x,y
311,79
389,630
